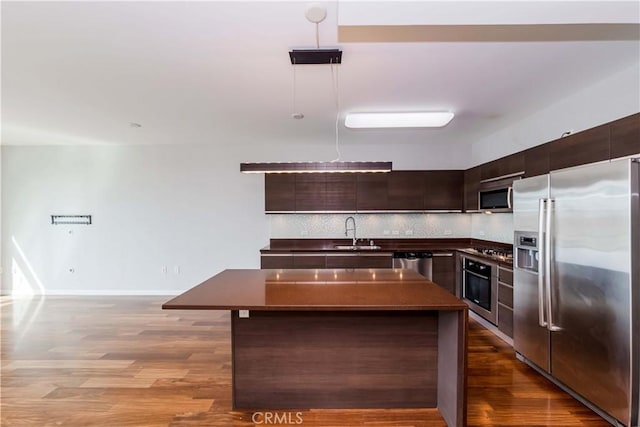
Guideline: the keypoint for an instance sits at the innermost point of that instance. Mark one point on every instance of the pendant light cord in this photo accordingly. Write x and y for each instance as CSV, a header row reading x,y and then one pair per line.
x,y
336,95
293,101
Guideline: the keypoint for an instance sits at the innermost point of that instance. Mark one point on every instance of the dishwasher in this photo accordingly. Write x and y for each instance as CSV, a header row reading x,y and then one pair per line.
x,y
422,262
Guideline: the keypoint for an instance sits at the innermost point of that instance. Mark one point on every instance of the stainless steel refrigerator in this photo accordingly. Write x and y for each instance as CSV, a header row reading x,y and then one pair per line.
x,y
577,283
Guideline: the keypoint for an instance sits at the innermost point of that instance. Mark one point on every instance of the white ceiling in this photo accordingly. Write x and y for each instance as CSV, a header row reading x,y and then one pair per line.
x,y
211,72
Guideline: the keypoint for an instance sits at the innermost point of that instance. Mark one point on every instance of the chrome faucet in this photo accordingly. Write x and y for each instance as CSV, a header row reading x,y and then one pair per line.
x,y
347,229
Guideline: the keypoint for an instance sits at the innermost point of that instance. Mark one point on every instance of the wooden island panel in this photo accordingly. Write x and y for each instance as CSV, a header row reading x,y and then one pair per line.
x,y
300,360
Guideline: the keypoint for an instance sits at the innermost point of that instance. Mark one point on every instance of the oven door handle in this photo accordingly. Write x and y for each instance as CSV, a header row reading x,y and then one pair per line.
x,y
478,275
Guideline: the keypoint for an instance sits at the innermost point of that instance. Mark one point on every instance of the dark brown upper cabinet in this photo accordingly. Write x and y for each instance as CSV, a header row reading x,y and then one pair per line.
x,y
405,190
443,190
580,148
310,192
372,189
536,160
471,188
279,192
325,192
340,193
507,165
625,136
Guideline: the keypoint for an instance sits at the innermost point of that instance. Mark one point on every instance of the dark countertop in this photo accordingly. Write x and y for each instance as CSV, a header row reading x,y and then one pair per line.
x,y
302,246
317,290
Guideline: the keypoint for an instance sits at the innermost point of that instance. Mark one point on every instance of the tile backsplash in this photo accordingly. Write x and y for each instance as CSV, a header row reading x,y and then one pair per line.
x,y
496,227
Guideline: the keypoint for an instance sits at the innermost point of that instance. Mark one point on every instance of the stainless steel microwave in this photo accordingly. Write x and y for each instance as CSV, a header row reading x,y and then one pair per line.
x,y
496,194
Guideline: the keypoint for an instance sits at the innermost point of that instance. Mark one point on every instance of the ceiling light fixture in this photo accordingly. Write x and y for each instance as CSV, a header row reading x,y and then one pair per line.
x,y
398,120
315,167
316,13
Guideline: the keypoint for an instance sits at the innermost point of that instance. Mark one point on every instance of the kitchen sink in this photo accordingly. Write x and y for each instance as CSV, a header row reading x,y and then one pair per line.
x,y
358,247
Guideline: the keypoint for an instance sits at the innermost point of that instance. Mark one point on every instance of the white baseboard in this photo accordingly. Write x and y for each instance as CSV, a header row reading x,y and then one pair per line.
x,y
105,292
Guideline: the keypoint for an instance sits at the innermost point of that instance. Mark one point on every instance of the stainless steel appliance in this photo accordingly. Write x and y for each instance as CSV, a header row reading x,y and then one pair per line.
x,y
495,194
480,287
576,283
422,262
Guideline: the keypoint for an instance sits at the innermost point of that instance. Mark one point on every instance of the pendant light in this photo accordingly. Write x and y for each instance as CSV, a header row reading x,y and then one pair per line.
x,y
316,13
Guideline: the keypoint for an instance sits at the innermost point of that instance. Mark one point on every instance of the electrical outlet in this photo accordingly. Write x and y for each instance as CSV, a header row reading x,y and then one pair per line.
x,y
408,232
164,269
481,233
243,314
176,269
448,232
386,232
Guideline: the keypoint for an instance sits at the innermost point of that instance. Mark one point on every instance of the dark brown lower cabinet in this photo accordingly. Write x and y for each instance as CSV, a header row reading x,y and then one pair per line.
x,y
322,260
505,300
359,261
444,270
276,261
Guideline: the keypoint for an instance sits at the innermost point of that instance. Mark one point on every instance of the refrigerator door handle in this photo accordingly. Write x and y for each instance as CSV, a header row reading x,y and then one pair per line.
x,y
547,266
509,197
541,276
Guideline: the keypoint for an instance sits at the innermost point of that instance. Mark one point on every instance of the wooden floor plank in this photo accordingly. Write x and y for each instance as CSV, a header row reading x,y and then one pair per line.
x,y
122,361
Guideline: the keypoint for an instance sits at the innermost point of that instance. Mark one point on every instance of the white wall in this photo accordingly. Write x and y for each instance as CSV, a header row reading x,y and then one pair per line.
x,y
615,97
186,208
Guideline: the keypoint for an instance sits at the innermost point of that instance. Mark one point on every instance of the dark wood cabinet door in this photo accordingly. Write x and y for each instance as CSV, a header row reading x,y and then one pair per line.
x,y
444,190
625,136
341,261
444,270
276,261
310,192
374,261
372,191
589,146
279,192
503,166
536,160
340,192
405,190
309,261
471,188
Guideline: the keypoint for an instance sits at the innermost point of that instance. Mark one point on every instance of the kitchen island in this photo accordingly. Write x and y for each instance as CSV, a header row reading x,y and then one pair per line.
x,y
360,338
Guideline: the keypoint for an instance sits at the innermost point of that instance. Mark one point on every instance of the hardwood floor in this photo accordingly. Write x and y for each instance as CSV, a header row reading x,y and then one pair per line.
x,y
122,361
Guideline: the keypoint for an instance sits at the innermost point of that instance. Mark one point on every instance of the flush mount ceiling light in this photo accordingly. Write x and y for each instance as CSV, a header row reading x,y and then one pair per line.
x,y
427,119
315,167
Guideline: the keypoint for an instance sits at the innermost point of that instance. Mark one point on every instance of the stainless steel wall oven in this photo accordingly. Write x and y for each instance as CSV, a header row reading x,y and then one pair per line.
x,y
480,287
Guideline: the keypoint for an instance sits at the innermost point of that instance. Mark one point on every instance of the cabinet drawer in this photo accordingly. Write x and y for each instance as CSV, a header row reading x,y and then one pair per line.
x,y
505,295
276,261
374,261
505,320
359,261
505,276
309,261
341,261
